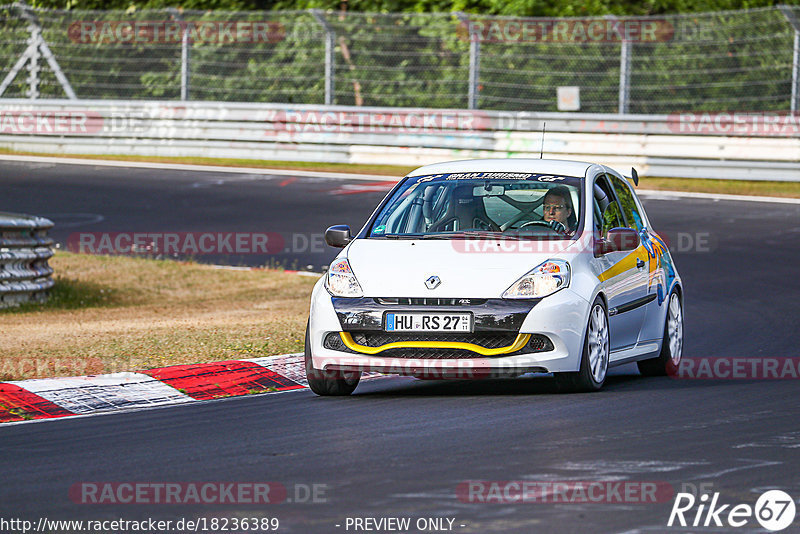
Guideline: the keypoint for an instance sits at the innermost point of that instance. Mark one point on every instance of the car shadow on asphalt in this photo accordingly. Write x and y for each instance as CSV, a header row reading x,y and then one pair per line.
x,y
530,385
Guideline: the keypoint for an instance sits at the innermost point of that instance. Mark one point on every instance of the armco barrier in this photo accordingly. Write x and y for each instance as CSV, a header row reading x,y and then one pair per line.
x,y
753,147
24,251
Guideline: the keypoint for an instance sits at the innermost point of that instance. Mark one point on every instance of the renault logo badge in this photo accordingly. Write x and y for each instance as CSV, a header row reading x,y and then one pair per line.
x,y
432,282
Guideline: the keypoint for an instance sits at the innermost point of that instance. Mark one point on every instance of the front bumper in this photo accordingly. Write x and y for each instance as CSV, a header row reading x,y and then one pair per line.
x,y
560,318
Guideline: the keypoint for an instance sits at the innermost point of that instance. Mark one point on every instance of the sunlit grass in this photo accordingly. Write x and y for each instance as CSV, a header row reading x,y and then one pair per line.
x,y
110,314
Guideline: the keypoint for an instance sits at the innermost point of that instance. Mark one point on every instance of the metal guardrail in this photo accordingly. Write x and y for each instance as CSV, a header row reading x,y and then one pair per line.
x,y
741,146
24,251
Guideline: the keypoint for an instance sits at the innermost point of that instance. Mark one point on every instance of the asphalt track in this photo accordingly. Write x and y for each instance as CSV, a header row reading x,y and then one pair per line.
x,y
400,447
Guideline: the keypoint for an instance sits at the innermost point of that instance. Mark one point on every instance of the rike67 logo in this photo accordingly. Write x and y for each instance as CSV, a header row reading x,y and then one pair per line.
x,y
774,511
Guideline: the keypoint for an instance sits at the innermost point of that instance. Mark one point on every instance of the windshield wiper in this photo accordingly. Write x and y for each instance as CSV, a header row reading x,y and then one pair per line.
x,y
402,236
480,234
485,234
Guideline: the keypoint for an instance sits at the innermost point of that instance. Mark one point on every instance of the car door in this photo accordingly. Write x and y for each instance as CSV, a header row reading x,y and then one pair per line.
x,y
623,274
661,272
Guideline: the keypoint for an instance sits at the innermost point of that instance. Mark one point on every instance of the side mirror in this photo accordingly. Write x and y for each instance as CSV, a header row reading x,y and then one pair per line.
x,y
618,240
338,236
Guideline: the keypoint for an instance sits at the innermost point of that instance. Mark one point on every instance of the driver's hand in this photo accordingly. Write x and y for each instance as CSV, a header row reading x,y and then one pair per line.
x,y
558,227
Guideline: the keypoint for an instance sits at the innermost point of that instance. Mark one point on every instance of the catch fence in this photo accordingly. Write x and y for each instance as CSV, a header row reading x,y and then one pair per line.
x,y
724,61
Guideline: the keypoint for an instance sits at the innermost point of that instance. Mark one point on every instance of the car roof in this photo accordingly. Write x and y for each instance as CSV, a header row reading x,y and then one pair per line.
x,y
538,166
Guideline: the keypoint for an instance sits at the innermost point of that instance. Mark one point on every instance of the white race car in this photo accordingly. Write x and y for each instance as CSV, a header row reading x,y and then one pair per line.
x,y
497,268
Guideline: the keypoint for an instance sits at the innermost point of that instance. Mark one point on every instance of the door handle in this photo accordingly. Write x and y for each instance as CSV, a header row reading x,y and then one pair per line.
x,y
639,263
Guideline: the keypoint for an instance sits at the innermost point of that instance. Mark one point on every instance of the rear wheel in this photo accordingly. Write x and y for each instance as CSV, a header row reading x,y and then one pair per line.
x,y
594,361
669,359
328,382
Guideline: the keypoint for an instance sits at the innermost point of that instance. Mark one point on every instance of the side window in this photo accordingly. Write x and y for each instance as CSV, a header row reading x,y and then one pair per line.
x,y
612,218
611,214
628,204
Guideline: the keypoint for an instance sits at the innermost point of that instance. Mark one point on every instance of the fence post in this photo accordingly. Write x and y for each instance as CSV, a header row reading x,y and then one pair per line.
x,y
474,61
33,61
184,53
474,70
624,76
185,64
791,18
330,43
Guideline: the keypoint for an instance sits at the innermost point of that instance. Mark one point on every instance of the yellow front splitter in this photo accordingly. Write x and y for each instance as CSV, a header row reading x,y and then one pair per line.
x,y
520,342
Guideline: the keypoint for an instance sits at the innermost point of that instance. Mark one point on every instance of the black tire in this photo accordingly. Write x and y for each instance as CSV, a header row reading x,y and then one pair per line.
x,y
667,363
585,380
325,383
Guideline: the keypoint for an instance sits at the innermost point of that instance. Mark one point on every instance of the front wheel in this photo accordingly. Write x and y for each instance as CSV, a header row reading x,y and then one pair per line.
x,y
326,383
594,360
669,359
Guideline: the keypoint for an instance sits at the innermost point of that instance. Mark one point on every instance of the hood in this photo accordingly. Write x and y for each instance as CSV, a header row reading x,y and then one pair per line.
x,y
475,268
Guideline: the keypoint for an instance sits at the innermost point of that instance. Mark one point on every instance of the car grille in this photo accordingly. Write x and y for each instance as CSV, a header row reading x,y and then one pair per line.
x,y
432,354
428,301
489,340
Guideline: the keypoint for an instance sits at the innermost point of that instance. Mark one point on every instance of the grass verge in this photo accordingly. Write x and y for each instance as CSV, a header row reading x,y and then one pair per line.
x,y
111,314
729,187
388,170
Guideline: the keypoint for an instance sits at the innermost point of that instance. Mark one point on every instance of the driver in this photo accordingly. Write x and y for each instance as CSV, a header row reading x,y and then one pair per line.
x,y
558,212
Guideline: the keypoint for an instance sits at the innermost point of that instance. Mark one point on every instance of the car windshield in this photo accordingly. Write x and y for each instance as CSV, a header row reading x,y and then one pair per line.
x,y
501,205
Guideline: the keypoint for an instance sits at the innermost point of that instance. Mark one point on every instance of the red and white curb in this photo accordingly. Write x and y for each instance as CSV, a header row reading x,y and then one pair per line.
x,y
46,398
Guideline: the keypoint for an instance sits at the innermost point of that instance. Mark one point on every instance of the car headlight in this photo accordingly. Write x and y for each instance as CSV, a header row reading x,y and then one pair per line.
x,y
340,280
541,281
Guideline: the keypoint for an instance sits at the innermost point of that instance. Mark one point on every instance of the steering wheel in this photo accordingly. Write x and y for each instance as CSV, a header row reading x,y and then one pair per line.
x,y
541,223
552,225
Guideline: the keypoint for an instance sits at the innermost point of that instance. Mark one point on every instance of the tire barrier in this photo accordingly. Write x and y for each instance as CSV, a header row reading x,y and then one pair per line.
x,y
25,248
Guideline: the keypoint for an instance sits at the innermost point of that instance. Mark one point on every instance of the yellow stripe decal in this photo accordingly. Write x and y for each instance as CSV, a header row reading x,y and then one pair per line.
x,y
626,263
520,342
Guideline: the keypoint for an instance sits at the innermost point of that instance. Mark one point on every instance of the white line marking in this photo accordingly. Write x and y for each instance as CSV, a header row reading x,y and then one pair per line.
x,y
753,464
194,168
607,467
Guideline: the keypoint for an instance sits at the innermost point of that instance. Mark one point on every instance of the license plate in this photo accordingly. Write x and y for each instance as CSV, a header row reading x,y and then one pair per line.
x,y
429,322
